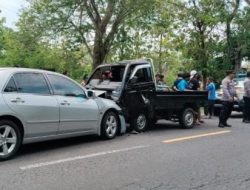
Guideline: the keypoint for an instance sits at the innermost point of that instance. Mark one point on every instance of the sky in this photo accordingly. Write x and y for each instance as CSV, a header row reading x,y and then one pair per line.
x,y
10,10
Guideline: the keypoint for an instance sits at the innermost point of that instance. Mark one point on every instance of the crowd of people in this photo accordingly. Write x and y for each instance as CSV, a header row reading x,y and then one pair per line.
x,y
193,81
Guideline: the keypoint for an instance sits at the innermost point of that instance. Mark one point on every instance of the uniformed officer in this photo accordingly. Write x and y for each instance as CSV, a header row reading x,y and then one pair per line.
x,y
228,98
246,115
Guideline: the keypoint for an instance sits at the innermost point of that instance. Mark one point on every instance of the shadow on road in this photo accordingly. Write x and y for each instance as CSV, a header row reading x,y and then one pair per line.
x,y
161,125
83,140
165,125
56,144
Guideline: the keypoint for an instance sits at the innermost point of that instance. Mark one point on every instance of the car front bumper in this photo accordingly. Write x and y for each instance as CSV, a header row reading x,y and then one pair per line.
x,y
123,123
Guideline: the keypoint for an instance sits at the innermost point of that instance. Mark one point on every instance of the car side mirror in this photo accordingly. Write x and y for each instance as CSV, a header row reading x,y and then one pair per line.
x,y
133,80
90,93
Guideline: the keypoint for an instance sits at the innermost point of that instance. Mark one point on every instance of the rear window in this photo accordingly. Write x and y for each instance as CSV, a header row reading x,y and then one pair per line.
x,y
111,73
33,83
11,86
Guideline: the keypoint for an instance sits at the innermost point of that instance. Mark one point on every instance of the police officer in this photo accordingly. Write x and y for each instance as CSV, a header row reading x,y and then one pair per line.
x,y
228,98
246,116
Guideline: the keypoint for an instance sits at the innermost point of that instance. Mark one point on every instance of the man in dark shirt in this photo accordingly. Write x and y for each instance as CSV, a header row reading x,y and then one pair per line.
x,y
194,82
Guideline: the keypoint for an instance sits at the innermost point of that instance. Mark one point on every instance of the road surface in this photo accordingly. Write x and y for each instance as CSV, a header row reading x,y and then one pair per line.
x,y
164,158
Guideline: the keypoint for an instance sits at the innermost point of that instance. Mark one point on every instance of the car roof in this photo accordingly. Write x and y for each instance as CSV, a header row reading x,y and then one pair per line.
x,y
126,62
20,69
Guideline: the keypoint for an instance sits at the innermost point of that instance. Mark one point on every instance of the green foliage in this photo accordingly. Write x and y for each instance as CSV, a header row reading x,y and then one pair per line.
x,y
210,36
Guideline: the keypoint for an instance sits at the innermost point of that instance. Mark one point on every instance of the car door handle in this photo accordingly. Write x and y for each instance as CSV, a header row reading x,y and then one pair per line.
x,y
65,103
17,100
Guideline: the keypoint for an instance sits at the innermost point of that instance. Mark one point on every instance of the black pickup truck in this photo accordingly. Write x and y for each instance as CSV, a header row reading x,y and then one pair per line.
x,y
131,84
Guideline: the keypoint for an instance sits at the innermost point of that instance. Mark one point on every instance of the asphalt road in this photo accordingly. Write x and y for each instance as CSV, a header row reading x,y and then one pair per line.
x,y
163,158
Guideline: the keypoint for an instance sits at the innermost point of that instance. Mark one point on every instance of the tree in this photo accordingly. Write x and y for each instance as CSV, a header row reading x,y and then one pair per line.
x,y
197,32
229,13
2,31
94,23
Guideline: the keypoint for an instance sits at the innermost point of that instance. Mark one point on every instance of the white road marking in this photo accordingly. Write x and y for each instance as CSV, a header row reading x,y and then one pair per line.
x,y
43,164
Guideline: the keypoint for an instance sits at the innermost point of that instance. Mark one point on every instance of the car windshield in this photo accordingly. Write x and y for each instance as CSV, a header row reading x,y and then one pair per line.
x,y
111,73
107,75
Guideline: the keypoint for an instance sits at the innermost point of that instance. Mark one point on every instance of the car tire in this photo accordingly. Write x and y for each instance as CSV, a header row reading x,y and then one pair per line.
x,y
140,122
110,125
10,139
187,118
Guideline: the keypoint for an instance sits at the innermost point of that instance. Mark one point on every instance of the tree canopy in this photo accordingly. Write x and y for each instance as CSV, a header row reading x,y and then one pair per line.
x,y
78,35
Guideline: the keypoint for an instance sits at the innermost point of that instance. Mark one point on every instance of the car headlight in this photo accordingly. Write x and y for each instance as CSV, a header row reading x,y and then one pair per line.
x,y
116,93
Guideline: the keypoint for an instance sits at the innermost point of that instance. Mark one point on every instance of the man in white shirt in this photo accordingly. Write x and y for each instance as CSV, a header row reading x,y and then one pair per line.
x,y
246,111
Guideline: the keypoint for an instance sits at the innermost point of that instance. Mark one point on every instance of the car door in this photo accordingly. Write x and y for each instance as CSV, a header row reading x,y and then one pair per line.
x,y
139,90
77,112
29,96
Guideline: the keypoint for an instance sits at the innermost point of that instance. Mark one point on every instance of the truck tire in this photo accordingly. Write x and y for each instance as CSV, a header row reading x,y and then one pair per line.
x,y
140,122
187,118
10,139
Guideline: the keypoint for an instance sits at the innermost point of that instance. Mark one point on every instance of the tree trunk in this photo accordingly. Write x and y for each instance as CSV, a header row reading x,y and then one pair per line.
x,y
160,54
99,50
229,44
100,53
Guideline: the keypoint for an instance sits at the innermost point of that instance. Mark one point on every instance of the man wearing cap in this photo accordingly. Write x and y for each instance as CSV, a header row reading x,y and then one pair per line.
x,y
194,82
228,97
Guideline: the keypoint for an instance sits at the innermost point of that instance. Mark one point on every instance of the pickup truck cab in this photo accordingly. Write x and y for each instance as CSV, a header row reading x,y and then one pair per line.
x,y
131,84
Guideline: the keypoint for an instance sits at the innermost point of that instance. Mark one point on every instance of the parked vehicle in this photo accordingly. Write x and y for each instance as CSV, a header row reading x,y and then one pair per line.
x,y
39,105
132,85
238,105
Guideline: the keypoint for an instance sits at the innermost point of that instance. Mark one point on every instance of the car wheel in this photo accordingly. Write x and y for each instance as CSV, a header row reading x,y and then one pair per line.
x,y
188,118
10,139
110,125
140,122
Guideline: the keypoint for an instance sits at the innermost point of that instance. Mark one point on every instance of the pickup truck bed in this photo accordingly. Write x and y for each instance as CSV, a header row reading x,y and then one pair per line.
x,y
176,100
163,105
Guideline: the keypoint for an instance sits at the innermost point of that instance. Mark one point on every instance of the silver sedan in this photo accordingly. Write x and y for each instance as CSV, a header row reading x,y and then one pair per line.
x,y
38,105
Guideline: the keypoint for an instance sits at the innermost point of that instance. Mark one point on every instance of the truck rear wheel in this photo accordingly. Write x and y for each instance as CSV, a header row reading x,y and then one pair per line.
x,y
187,118
140,122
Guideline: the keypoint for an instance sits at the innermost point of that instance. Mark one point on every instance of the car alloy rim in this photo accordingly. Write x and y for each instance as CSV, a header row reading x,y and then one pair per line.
x,y
111,125
141,121
189,118
8,140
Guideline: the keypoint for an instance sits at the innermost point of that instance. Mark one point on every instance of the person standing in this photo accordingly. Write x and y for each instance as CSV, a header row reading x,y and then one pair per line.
x,y
194,82
246,111
228,97
211,97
